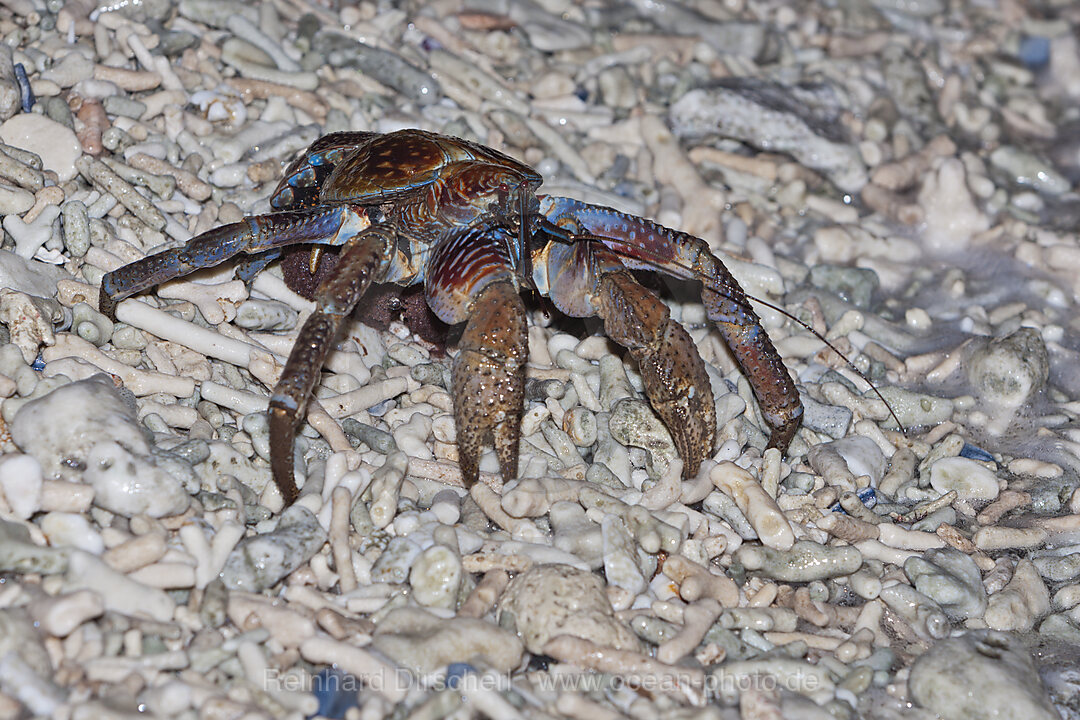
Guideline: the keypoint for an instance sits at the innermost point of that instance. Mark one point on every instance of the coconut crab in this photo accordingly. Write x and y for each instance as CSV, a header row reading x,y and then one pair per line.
x,y
465,220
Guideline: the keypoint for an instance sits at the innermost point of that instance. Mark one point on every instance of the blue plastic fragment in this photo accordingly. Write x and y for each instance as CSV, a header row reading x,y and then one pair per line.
x,y
974,452
336,692
26,94
869,498
456,672
1035,51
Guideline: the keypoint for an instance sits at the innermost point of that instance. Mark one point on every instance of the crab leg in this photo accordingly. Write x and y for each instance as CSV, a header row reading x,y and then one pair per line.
x,y
673,371
586,278
363,260
489,380
643,244
331,226
470,275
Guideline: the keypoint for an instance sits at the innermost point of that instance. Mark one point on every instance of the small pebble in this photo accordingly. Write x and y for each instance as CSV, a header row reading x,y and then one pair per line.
x,y
436,577
551,600
86,432
260,561
804,562
71,530
425,643
21,484
950,578
1009,371
997,669
969,479
54,143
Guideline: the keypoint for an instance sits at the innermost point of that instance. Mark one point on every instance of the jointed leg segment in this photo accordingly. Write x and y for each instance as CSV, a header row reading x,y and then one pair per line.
x,y
489,380
770,380
674,374
363,260
333,226
641,244
586,278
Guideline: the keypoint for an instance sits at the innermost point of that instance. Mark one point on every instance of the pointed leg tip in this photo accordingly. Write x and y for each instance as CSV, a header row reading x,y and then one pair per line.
x,y
470,469
107,305
281,454
785,423
289,494
782,435
693,436
469,425
690,470
282,471
506,436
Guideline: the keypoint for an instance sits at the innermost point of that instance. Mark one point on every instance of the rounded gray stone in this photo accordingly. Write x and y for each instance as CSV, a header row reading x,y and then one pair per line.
x,y
984,675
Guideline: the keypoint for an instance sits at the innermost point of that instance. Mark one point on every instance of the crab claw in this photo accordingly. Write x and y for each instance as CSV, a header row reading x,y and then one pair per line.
x,y
671,368
679,390
489,380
